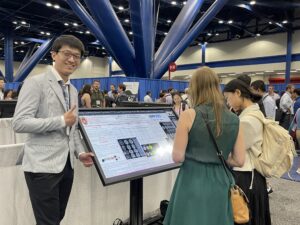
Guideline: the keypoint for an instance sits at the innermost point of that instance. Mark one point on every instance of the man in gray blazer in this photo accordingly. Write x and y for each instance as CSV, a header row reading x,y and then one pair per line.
x,y
47,111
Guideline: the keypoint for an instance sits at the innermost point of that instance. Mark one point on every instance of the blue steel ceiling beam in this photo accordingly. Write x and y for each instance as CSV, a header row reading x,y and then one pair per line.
x,y
156,9
35,40
257,13
142,20
179,28
190,36
31,63
26,57
9,55
84,16
111,27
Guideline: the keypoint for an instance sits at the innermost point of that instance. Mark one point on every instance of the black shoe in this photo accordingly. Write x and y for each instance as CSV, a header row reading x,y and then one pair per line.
x,y
269,190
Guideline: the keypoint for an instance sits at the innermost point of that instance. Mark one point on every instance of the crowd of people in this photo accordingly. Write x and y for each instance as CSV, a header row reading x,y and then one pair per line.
x,y
91,96
48,111
201,178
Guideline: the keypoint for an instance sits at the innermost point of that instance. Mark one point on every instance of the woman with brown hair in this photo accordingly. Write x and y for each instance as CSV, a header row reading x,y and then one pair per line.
x,y
201,192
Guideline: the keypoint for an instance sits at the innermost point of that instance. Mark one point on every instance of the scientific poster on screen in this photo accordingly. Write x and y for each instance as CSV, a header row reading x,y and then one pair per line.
x,y
128,143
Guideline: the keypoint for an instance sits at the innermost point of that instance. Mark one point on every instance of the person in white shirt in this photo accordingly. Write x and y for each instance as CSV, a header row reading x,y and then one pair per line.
x,y
241,98
168,96
271,92
269,104
110,93
185,97
147,97
286,104
2,83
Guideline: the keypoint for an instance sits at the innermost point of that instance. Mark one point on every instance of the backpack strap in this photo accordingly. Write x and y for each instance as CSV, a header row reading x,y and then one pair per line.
x,y
265,97
262,119
219,153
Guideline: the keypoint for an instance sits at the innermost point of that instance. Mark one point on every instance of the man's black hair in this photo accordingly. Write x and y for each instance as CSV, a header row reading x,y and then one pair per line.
x,y
258,84
68,40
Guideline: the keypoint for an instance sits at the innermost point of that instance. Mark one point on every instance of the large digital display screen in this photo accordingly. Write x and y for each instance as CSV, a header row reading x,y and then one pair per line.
x,y
129,143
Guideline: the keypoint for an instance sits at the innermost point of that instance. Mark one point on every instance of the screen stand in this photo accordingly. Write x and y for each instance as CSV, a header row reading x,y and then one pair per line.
x,y
136,202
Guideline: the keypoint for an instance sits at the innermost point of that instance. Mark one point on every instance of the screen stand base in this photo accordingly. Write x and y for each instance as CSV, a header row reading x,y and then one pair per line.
x,y
136,202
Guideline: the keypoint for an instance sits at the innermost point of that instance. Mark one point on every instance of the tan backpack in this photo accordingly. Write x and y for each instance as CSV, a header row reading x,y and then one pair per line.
x,y
278,149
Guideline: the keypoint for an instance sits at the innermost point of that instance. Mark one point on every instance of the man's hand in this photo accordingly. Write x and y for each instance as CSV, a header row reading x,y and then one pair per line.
x,y
70,117
86,158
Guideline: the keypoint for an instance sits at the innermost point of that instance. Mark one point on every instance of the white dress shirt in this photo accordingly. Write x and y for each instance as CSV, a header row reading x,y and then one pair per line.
x,y
147,98
270,106
286,102
59,79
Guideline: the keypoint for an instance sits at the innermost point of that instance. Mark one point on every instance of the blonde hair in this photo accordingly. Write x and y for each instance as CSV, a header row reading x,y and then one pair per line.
x,y
205,88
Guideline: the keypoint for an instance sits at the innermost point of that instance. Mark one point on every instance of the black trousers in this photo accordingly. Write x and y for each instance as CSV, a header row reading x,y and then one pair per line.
x,y
49,194
285,121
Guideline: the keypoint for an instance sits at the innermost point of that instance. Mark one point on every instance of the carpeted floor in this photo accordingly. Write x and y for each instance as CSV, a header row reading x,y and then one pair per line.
x,y
285,202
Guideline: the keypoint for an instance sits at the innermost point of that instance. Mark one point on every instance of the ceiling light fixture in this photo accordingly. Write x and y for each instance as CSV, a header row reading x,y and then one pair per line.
x,y
87,32
126,20
23,22
285,22
230,21
165,33
252,2
48,4
130,32
184,3
258,35
15,22
42,32
66,24
169,21
174,3
270,22
221,21
48,34
121,8
56,6
217,34
75,24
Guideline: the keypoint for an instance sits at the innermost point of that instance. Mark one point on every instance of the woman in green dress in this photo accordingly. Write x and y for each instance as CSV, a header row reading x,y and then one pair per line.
x,y
201,193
